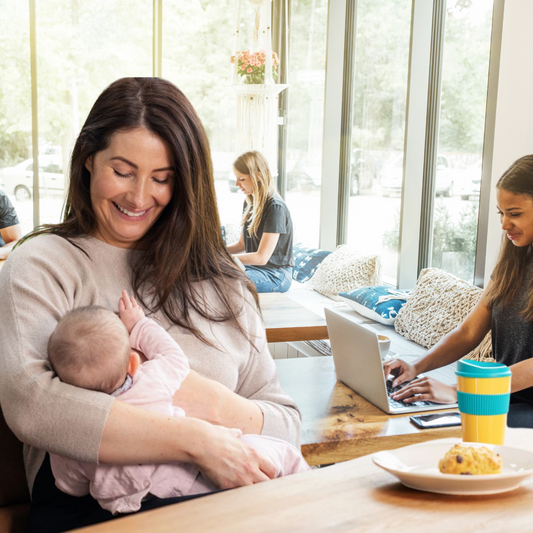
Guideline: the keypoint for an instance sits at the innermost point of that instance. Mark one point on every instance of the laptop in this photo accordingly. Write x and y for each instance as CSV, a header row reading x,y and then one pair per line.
x,y
358,364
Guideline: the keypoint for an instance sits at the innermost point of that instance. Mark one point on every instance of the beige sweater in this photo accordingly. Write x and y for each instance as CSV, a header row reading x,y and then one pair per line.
x,y
48,276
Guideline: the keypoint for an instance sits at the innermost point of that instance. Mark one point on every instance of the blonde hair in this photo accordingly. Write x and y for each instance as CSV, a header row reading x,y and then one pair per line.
x,y
255,165
90,348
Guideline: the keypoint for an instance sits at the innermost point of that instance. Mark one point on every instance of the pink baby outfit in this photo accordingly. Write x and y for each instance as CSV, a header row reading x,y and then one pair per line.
x,y
121,489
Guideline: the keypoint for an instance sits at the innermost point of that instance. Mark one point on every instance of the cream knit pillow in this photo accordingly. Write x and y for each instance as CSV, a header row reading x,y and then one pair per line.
x,y
343,270
438,303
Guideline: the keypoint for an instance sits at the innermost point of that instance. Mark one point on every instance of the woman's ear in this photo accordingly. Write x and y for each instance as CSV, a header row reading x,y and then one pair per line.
x,y
89,164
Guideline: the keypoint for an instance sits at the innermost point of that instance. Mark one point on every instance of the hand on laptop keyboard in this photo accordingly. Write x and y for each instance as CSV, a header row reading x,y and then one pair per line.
x,y
427,389
400,369
392,390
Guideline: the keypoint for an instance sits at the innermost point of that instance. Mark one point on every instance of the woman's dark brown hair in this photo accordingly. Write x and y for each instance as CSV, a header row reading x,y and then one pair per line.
x,y
512,261
185,243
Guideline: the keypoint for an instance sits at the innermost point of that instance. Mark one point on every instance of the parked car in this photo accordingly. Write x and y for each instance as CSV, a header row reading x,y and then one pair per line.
x,y
391,177
18,180
468,181
300,178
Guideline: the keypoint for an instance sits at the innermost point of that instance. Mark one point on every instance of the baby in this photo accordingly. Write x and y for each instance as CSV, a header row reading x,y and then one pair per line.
x,y
93,348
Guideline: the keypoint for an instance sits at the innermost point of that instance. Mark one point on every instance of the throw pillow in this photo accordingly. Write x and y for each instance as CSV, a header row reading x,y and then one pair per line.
x,y
438,303
232,232
343,270
306,261
380,303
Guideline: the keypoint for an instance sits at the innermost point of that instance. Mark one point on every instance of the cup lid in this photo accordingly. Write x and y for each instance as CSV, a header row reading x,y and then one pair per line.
x,y
479,369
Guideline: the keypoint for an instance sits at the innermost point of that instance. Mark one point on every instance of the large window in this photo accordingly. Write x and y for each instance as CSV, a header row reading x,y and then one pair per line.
x,y
81,48
15,104
306,116
376,174
197,48
463,101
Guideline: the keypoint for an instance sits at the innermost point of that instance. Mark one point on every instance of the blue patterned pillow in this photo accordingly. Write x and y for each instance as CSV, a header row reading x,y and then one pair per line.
x,y
380,303
306,261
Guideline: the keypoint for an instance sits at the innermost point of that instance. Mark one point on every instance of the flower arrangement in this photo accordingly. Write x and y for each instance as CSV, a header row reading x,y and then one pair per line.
x,y
251,65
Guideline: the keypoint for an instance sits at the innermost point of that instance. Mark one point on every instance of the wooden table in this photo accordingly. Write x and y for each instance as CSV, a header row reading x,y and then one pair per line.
x,y
355,496
338,424
2,261
287,320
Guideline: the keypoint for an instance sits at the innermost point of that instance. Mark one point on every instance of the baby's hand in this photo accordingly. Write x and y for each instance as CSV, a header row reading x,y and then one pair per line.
x,y
129,311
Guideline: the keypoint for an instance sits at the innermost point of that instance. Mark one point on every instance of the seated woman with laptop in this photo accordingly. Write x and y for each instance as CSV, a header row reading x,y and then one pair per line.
x,y
506,309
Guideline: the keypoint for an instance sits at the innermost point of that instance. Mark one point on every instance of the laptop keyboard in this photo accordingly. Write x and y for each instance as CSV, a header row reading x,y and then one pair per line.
x,y
395,403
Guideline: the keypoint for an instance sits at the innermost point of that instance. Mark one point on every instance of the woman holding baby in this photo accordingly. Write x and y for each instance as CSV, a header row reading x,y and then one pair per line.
x,y
140,215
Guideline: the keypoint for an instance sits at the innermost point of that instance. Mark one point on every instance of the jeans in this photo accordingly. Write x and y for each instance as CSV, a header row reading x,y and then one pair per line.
x,y
270,279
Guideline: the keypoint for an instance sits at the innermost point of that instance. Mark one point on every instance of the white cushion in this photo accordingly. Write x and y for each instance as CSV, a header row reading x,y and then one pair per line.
x,y
345,269
438,303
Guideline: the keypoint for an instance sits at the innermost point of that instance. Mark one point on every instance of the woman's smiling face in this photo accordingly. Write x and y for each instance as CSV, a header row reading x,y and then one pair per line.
x,y
516,216
132,181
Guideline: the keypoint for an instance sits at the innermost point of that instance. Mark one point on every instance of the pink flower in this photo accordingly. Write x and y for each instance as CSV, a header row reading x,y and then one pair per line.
x,y
249,70
243,67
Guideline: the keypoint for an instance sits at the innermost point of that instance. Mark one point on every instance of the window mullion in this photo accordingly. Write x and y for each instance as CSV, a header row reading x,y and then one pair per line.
x,y
34,114
432,134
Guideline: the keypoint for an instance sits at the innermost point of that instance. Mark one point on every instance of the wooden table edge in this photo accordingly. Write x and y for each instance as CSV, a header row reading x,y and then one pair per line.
x,y
291,334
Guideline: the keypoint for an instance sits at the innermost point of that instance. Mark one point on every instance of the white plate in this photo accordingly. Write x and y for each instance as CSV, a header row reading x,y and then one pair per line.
x,y
417,467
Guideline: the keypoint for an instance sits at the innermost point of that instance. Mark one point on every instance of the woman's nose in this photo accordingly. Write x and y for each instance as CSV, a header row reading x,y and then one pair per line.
x,y
137,193
506,223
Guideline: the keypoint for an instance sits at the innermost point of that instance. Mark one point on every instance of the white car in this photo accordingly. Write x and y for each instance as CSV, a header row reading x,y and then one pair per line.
x,y
468,182
18,180
391,177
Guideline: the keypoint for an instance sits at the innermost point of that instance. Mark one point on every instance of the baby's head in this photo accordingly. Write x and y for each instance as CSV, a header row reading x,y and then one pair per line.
x,y
90,348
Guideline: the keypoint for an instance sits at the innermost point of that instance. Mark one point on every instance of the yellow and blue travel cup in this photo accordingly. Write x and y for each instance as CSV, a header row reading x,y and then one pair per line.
x,y
483,394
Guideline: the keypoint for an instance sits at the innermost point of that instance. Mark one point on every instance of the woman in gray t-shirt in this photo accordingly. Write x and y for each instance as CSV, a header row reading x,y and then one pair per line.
x,y
265,244
506,309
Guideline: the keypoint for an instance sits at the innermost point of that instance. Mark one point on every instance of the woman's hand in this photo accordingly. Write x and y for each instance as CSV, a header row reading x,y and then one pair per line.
x,y
230,462
401,370
426,389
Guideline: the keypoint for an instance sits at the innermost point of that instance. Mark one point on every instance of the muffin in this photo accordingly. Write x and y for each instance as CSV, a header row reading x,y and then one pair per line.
x,y
470,460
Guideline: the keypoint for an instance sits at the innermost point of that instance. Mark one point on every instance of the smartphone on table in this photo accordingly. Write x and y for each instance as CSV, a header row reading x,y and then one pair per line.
x,y
438,420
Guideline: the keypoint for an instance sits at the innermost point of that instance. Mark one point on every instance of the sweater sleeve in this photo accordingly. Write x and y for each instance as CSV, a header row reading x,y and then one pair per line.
x,y
38,285
259,382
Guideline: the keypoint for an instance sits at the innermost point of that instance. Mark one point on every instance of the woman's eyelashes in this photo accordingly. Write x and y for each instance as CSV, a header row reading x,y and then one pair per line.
x,y
120,175
129,175
510,214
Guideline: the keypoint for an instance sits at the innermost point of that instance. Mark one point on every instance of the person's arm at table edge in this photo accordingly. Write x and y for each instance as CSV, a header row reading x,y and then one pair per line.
x,y
266,248
11,235
237,247
522,377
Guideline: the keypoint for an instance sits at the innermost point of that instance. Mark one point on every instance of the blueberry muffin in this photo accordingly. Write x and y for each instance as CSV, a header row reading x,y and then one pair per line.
x,y
470,460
